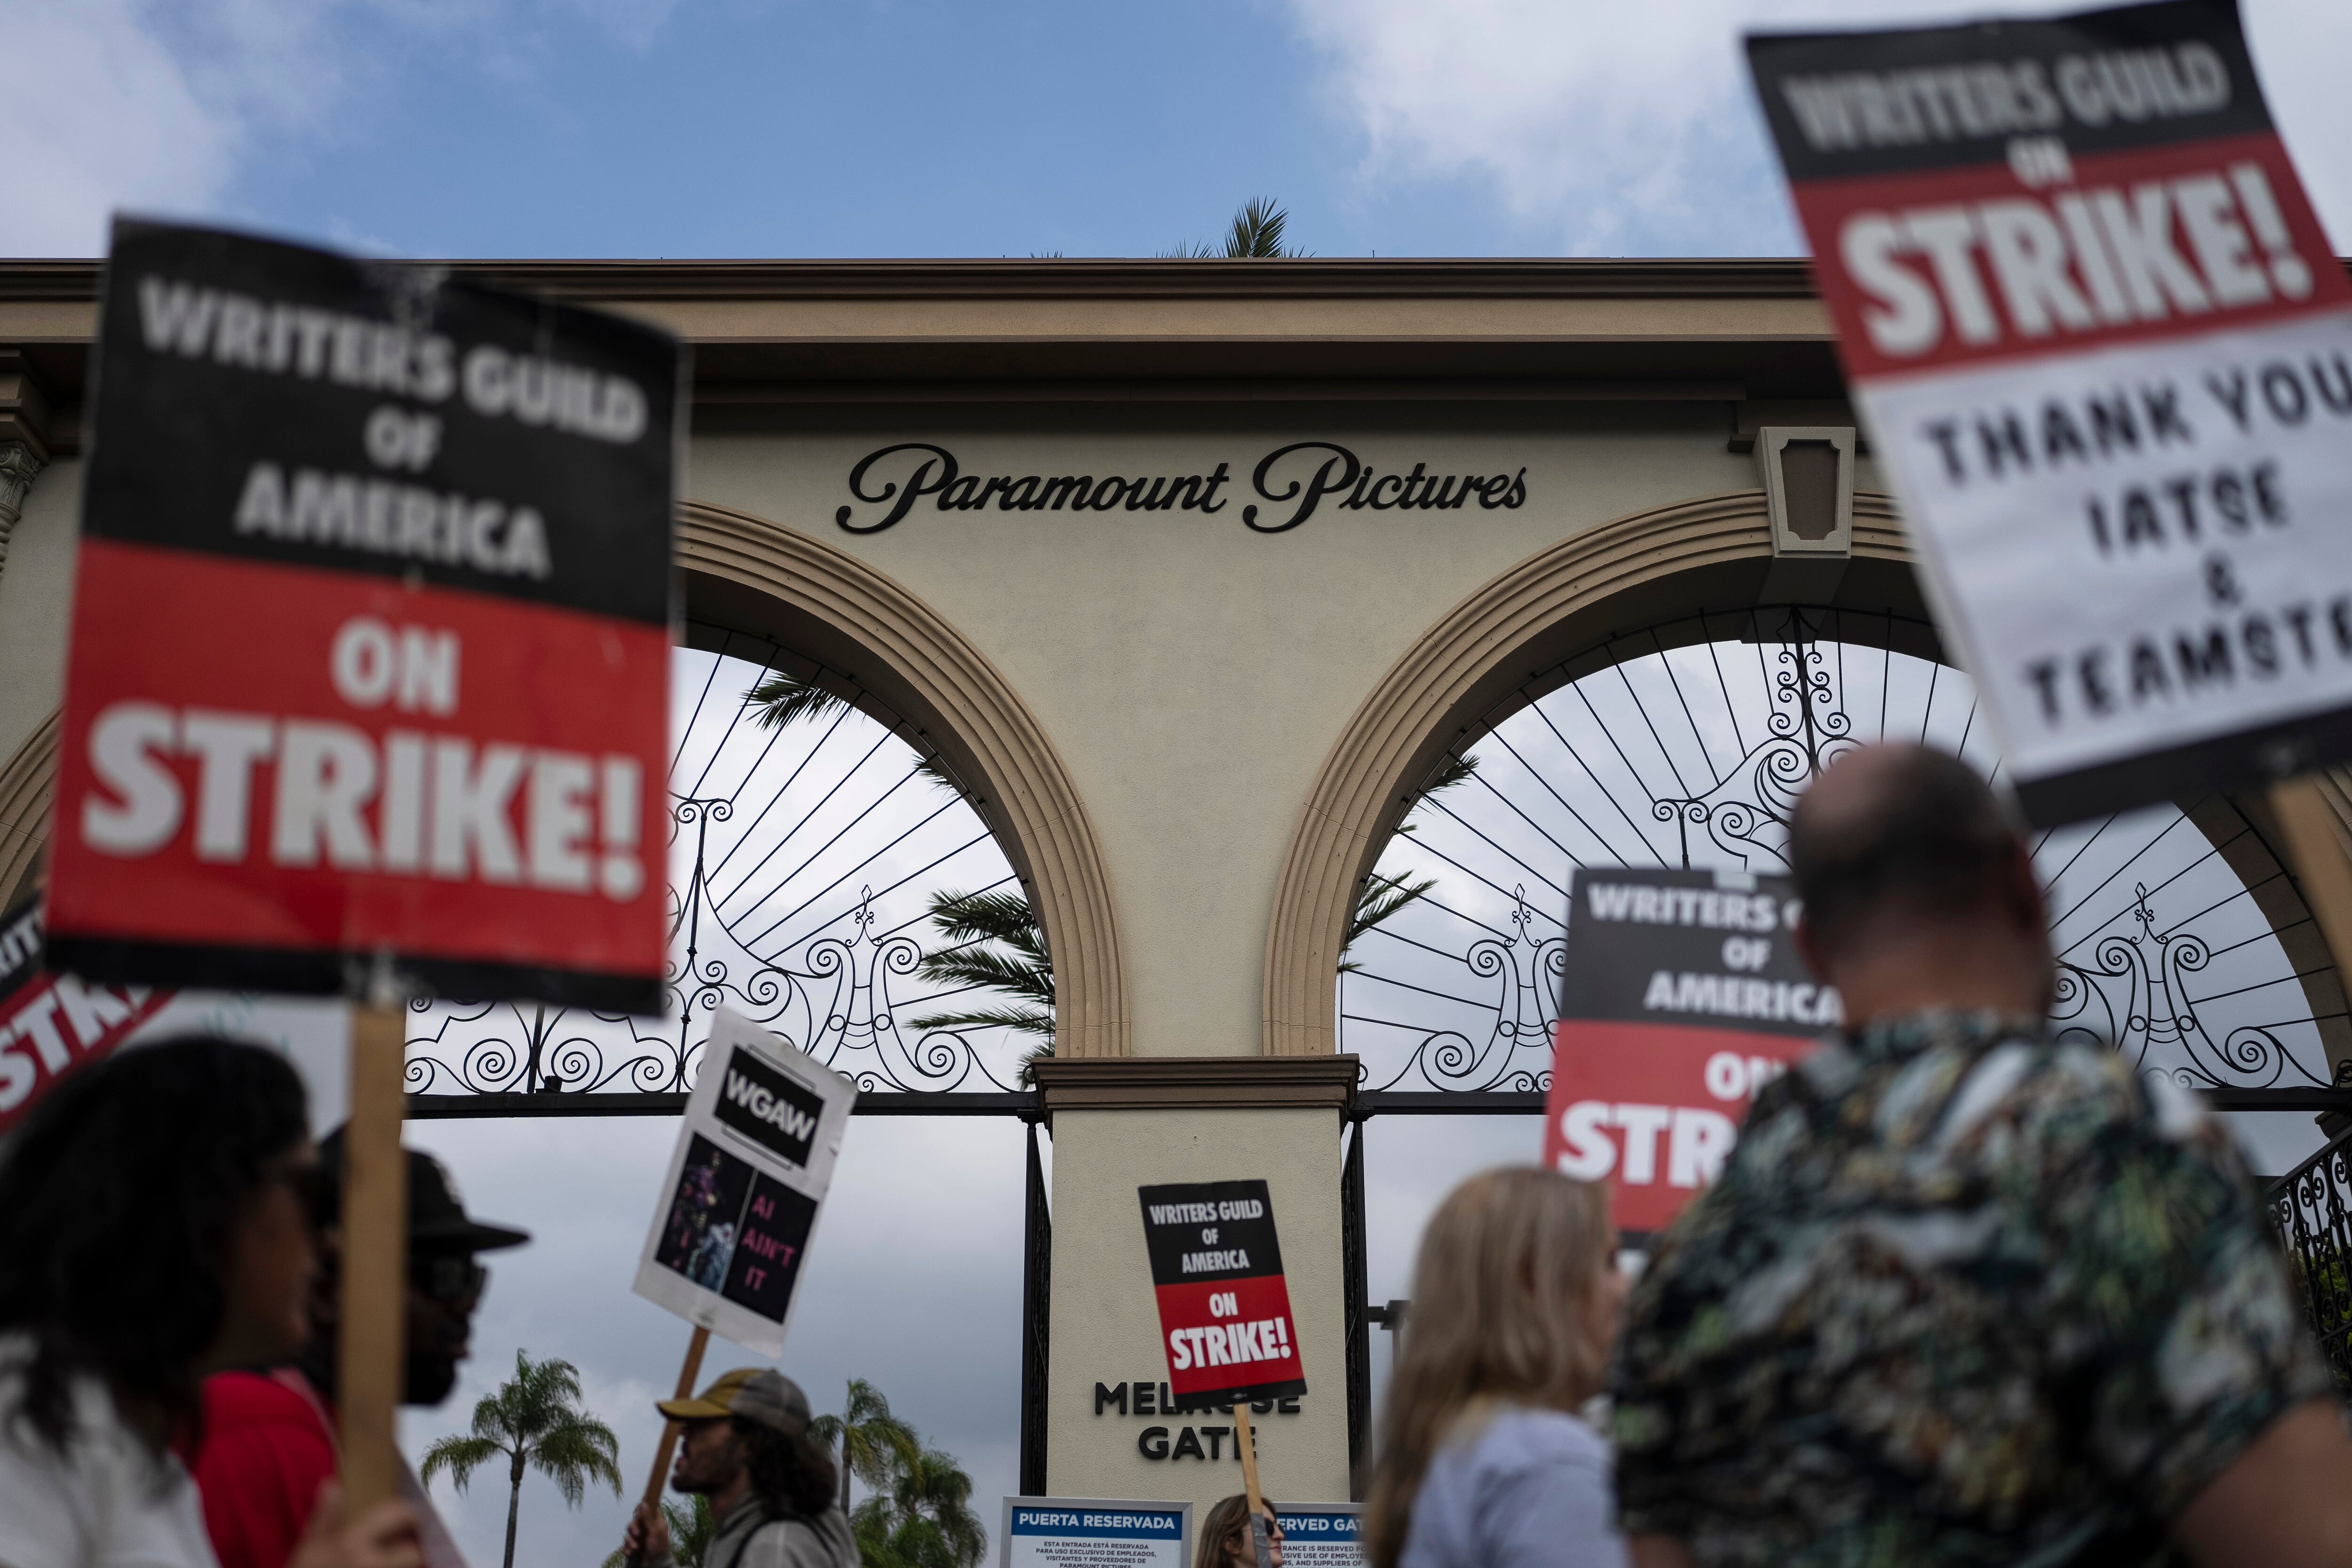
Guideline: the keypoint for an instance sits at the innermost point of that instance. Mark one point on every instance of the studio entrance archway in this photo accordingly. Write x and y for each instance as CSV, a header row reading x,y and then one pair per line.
x,y
1684,743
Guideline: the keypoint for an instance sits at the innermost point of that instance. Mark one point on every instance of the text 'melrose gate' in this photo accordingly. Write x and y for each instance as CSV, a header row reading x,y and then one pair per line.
x,y
1682,993
2105,358
1224,1310
370,639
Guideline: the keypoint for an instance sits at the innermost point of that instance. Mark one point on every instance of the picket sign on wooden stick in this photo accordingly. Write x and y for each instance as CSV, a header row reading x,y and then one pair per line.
x,y
374,1256
1247,1442
686,1373
2320,866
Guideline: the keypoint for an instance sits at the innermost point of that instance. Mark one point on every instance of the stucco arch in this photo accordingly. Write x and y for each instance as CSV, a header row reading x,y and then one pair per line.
x,y
746,573
1710,552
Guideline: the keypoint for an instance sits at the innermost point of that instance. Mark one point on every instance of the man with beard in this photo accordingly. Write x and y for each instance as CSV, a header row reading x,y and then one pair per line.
x,y
745,1445
269,1432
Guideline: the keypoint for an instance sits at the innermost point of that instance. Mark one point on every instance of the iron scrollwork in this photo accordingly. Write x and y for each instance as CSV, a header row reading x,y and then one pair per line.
x,y
833,991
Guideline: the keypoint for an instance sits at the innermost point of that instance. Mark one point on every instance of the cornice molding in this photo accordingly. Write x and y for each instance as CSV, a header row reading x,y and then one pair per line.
x,y
1199,1083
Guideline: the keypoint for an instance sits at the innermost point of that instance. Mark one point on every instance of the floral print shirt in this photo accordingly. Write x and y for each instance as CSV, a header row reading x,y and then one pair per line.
x,y
1963,1295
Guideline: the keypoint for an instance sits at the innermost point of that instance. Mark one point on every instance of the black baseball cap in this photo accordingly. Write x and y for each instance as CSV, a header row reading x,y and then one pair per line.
x,y
435,1217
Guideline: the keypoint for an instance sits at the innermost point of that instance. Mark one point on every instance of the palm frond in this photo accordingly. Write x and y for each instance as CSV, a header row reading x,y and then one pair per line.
x,y
1384,898
1020,1020
575,1450
1019,976
1257,231
989,917
461,1457
786,699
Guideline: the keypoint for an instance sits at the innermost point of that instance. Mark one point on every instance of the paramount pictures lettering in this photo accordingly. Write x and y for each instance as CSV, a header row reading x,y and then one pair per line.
x,y
1294,480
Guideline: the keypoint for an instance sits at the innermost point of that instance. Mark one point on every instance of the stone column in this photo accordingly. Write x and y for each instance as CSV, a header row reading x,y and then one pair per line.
x,y
18,465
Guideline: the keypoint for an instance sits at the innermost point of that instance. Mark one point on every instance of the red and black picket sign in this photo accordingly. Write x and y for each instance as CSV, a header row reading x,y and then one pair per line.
x,y
369,642
2104,352
1224,1310
1680,994
53,1025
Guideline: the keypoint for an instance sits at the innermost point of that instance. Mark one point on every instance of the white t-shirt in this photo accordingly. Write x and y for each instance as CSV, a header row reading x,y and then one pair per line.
x,y
106,1504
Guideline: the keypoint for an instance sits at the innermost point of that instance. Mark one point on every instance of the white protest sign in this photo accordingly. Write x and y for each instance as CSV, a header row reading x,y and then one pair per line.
x,y
2105,358
1094,1533
1322,1535
762,1130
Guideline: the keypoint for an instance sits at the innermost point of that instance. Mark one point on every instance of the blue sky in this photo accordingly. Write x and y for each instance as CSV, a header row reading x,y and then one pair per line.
x,y
948,127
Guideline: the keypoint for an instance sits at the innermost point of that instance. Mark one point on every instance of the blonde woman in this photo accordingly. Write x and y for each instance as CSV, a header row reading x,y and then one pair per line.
x,y
1483,1462
1225,1536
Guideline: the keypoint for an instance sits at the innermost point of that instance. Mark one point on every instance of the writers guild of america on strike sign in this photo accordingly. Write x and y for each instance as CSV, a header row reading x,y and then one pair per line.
x,y
369,643
745,1182
2104,355
1225,1308
1682,993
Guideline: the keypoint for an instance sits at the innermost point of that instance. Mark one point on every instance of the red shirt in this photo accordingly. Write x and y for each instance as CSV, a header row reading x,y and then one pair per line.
x,y
268,1446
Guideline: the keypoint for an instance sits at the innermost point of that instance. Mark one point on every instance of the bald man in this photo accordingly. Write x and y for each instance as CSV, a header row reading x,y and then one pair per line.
x,y
1964,1295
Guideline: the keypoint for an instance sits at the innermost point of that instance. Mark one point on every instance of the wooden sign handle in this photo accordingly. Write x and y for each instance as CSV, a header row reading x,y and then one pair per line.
x,y
1246,1444
686,1373
2310,825
374,1260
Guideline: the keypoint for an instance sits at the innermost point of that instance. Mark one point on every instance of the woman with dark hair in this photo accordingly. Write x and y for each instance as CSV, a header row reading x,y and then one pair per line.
x,y
1225,1536
154,1227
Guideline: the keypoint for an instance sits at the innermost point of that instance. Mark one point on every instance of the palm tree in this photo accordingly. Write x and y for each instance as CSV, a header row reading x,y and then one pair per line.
x,y
874,1444
1382,896
1256,235
535,1421
924,1520
690,1530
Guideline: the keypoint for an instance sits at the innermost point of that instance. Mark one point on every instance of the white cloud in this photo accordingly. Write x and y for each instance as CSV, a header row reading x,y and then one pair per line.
x,y
1624,127
139,105
98,115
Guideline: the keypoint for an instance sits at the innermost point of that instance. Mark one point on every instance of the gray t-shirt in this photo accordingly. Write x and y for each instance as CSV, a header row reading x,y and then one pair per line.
x,y
1525,1488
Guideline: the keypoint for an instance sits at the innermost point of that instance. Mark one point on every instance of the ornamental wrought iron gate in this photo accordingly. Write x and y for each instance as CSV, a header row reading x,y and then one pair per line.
x,y
805,856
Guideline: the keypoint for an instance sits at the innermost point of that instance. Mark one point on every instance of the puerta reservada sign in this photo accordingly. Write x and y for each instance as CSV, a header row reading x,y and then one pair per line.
x,y
1289,484
2105,356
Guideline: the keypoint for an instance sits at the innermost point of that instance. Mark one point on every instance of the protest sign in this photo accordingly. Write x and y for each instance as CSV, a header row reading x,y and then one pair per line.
x,y
1322,1535
369,641
1224,1310
1682,993
2106,359
1089,1532
52,1024
762,1130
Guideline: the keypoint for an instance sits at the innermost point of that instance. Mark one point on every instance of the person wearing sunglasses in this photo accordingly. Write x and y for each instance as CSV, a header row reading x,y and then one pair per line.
x,y
271,1429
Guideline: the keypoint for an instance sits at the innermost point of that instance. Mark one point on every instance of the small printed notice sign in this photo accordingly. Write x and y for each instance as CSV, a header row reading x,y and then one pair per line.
x,y
1322,1534
1089,1532
1224,1310
762,1130
1681,994
2106,357
370,644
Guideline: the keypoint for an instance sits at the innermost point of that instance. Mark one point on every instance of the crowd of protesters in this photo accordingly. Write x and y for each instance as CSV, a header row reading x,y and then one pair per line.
x,y
1963,1294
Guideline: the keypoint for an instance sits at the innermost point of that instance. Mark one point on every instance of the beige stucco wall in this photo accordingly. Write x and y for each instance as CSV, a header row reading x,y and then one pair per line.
x,y
1194,674
1106,1323
35,592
